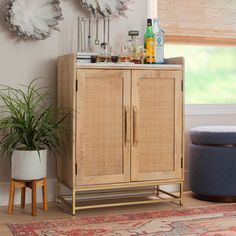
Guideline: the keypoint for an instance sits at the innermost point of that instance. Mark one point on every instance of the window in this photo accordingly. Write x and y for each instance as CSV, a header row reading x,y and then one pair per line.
x,y
198,21
210,76
204,32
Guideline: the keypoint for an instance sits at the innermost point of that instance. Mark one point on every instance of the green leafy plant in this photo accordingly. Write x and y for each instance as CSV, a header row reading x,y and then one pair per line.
x,y
31,121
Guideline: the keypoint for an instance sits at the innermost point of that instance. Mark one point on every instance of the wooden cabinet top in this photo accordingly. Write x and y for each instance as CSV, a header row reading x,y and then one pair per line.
x,y
176,63
128,66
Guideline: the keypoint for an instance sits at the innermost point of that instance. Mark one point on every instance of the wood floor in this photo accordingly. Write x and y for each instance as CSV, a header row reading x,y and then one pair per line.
x,y
56,212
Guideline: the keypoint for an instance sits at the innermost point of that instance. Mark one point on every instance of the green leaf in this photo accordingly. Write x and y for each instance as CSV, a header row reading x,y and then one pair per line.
x,y
31,120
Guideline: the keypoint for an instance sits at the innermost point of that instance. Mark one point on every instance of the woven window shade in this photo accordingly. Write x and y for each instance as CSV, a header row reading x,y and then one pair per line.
x,y
198,21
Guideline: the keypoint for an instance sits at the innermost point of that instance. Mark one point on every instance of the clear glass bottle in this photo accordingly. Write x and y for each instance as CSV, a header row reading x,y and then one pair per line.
x,y
160,42
135,47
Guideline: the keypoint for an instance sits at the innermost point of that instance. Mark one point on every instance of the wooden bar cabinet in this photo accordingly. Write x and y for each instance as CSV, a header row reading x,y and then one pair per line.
x,y
124,134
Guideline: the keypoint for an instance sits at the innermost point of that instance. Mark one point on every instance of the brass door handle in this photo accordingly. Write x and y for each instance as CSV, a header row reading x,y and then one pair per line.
x,y
135,126
126,114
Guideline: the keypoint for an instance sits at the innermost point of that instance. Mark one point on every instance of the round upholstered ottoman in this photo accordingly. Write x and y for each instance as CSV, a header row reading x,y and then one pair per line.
x,y
212,163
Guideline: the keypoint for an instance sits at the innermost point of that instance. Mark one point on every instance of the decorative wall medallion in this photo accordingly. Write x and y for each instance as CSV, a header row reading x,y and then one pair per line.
x,y
32,18
107,8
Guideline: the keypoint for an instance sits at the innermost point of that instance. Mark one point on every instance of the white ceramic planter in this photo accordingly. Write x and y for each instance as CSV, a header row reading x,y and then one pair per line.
x,y
28,165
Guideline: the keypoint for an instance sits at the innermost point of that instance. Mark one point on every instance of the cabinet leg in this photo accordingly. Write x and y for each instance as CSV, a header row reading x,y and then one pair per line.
x,y
73,203
181,190
58,191
23,191
156,190
11,197
45,198
34,199
73,212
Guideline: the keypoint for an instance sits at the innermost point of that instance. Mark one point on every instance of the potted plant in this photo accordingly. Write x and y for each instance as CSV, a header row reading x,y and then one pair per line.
x,y
31,128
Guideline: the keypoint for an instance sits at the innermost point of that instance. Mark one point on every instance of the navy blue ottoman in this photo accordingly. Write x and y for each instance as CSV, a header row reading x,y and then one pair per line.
x,y
212,163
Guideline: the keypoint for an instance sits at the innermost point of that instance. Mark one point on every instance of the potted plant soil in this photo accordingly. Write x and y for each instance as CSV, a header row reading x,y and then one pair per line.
x,y
30,129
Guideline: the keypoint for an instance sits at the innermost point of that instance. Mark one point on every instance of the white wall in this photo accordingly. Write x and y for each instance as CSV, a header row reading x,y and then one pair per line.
x,y
22,61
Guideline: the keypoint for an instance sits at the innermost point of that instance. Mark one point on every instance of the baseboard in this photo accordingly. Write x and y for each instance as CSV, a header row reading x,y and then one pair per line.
x,y
4,193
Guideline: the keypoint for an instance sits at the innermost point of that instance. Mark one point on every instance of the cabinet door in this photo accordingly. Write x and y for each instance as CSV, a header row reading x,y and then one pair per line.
x,y
157,125
103,126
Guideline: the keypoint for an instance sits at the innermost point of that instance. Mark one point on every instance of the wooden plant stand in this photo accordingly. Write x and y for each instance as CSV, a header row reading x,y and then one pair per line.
x,y
33,184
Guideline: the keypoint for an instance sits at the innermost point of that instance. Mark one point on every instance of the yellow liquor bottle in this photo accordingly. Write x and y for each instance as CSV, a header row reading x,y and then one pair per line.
x,y
150,43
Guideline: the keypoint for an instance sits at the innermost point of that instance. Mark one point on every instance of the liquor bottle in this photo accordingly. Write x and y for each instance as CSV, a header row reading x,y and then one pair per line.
x,y
160,41
149,43
135,47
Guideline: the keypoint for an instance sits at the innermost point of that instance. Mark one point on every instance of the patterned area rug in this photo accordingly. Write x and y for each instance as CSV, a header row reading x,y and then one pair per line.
x,y
210,220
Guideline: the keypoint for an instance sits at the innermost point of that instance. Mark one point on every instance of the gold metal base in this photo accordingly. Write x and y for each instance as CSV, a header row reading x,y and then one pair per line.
x,y
150,194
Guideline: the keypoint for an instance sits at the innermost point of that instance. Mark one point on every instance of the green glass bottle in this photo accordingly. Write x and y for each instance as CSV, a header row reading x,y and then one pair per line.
x,y
150,43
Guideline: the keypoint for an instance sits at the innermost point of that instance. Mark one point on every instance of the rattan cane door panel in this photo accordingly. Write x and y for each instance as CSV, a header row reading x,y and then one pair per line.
x,y
157,125
103,105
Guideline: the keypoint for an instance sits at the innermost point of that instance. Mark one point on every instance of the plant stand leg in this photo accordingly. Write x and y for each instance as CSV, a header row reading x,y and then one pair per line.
x,y
23,191
45,198
11,197
34,192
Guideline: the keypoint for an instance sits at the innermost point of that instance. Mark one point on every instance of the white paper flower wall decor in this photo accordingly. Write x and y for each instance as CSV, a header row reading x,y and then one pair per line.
x,y
107,8
33,19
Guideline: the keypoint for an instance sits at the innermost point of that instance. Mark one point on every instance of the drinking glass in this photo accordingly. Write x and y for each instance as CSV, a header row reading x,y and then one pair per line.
x,y
124,54
104,54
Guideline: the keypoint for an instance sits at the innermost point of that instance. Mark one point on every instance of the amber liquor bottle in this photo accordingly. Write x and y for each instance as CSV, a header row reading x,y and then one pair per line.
x,y
150,43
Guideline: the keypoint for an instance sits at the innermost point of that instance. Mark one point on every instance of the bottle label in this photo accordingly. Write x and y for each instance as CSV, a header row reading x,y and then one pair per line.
x,y
159,41
159,55
150,47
